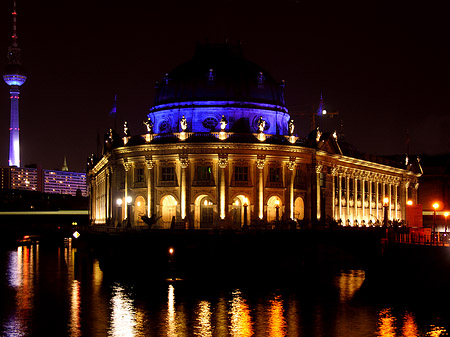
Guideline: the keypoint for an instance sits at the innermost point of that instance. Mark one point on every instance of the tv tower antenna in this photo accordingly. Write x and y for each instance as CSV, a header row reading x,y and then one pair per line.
x,y
14,77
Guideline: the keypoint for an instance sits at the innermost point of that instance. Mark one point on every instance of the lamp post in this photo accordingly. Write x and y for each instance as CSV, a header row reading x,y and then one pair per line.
x,y
277,210
129,211
435,206
445,218
245,213
385,206
119,211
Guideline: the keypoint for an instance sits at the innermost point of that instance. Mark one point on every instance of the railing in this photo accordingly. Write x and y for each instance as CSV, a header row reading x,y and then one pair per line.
x,y
418,238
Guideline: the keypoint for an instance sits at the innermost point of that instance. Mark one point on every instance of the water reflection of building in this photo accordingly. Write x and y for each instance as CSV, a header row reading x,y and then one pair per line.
x,y
220,150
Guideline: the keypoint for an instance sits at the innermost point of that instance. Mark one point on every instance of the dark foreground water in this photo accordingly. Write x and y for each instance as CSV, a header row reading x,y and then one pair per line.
x,y
46,291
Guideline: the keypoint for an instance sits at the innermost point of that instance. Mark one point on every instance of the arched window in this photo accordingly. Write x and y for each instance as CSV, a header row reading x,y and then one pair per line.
x,y
299,209
169,209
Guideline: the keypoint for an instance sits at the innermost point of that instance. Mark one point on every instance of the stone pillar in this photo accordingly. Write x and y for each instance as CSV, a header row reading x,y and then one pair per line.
x,y
127,167
223,162
184,163
150,164
396,201
260,161
107,192
377,197
370,200
318,170
363,198
390,200
291,167
347,181
355,199
340,196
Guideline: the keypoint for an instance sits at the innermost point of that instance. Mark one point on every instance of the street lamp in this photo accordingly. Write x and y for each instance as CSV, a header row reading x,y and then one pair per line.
x,y
119,211
445,217
277,210
385,206
129,199
435,206
245,213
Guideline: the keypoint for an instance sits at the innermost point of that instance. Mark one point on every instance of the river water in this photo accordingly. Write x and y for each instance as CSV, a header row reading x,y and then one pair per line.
x,y
45,292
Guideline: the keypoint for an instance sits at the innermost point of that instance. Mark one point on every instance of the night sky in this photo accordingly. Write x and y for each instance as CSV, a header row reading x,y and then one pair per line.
x,y
382,65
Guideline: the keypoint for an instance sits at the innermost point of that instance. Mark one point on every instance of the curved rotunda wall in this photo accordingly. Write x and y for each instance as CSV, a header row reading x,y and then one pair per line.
x,y
218,81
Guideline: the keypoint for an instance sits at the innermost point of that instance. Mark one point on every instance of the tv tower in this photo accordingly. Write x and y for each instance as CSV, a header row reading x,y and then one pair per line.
x,y
14,77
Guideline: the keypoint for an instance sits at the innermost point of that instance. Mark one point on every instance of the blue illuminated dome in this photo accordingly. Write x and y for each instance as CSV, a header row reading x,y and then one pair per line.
x,y
218,81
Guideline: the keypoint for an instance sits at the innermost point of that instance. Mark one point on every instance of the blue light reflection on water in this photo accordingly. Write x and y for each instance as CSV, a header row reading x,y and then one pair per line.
x,y
46,292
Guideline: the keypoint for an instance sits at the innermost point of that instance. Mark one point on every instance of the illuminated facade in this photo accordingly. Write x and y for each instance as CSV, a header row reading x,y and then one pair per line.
x,y
47,181
14,77
220,151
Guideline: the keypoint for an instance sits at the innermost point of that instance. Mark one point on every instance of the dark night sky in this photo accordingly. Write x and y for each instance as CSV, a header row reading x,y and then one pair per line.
x,y
382,65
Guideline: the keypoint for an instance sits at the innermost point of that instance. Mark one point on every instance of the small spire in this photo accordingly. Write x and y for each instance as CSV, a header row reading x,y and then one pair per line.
x,y
65,167
14,36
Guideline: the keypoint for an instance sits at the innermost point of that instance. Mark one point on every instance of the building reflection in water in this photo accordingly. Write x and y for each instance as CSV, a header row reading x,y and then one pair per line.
x,y
241,322
349,283
21,270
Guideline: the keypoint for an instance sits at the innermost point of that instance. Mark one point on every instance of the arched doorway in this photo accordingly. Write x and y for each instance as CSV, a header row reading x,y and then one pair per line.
x,y
238,209
204,212
299,209
139,210
274,209
168,210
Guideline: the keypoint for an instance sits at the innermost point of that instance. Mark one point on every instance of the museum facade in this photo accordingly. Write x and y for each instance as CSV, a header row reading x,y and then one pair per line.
x,y
220,151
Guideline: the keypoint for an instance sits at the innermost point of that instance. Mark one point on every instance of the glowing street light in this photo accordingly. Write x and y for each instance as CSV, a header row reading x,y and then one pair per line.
x,y
385,206
245,204
435,206
445,217
409,202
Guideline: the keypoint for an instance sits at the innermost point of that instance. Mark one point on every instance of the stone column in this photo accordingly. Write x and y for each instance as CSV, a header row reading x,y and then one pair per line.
x,y
107,192
355,199
260,161
363,198
150,164
223,162
370,199
318,170
390,200
291,167
127,167
184,163
347,181
340,196
377,197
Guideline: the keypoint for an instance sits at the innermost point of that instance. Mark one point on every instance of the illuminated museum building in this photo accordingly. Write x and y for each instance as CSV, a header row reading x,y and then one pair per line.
x,y
220,151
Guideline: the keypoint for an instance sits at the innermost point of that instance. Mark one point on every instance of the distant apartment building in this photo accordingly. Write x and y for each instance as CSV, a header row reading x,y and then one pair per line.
x,y
42,180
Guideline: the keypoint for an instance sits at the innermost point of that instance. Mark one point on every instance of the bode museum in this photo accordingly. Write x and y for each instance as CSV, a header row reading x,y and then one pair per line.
x,y
219,150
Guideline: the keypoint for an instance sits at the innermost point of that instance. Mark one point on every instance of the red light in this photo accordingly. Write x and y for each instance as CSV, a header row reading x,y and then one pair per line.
x,y
26,237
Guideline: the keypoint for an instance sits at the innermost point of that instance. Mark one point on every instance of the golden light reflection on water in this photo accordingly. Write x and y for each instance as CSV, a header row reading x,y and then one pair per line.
x,y
409,326
437,331
21,271
171,325
277,321
75,308
349,283
386,323
203,326
123,316
241,322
